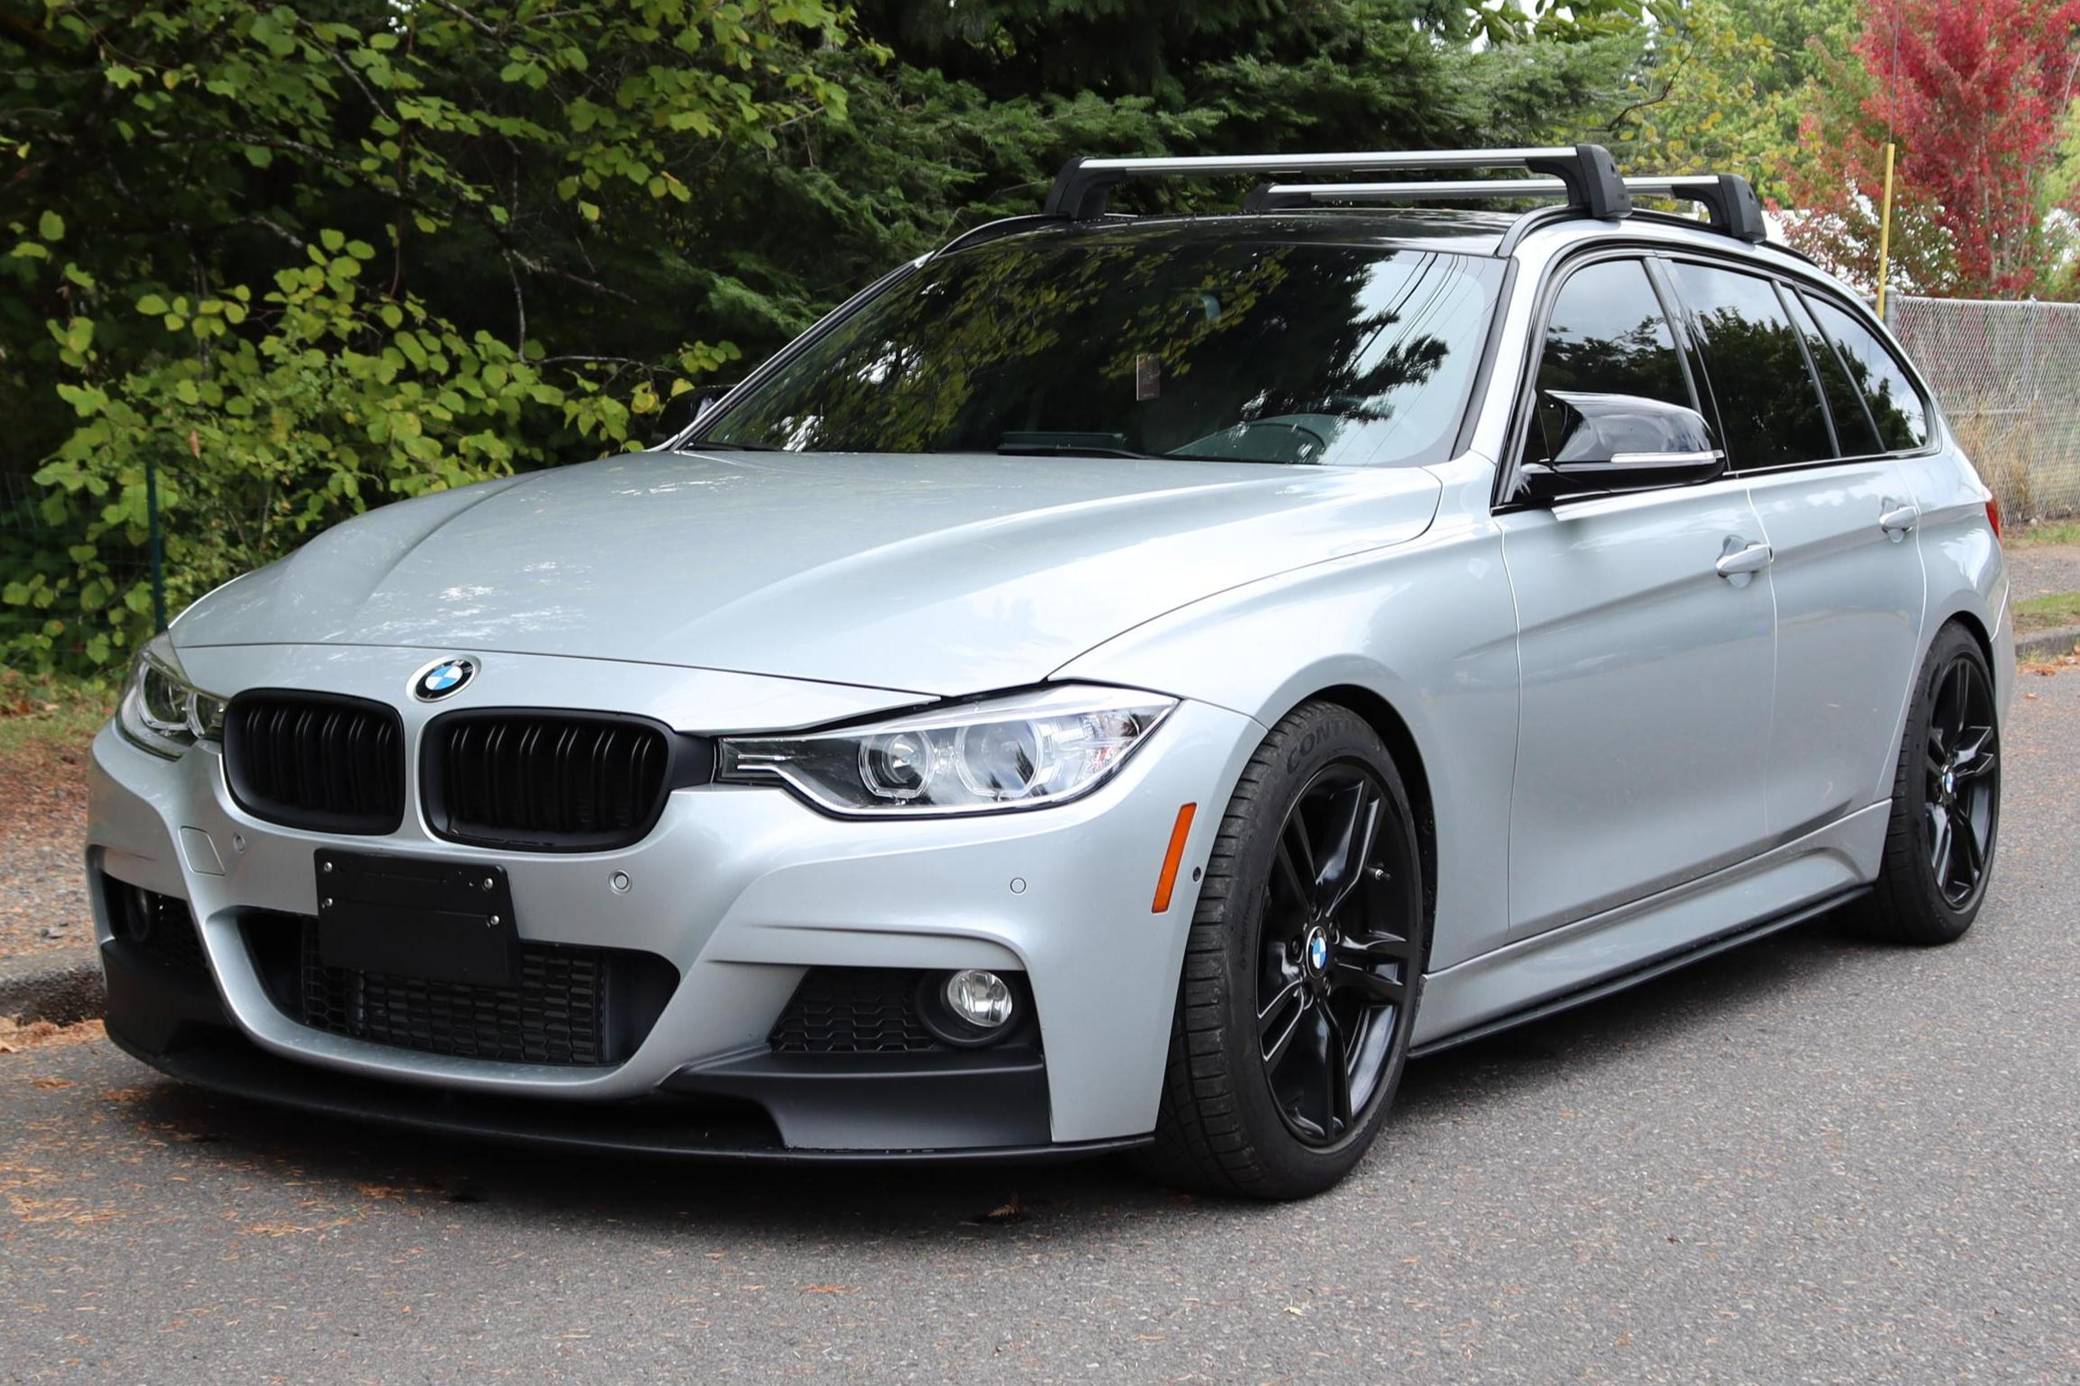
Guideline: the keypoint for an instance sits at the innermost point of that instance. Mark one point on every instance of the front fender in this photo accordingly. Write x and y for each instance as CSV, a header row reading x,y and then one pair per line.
x,y
1430,628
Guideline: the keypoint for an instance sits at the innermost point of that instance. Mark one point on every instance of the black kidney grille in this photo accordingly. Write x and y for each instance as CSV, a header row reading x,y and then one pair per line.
x,y
317,761
853,1010
552,781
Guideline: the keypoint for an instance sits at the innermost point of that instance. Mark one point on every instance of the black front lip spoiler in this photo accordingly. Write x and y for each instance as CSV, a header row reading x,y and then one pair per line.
x,y
230,1065
944,1108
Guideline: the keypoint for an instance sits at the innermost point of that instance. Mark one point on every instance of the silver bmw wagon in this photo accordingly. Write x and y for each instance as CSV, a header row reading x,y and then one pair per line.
x,y
1120,682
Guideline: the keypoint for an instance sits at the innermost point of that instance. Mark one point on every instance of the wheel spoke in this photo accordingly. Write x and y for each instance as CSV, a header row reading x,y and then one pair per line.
x,y
1298,855
1288,873
1376,949
1335,1096
1278,1022
1967,835
1957,694
1345,864
1939,842
1377,990
1975,753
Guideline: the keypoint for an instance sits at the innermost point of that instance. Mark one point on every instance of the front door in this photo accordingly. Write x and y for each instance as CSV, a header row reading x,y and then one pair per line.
x,y
1646,672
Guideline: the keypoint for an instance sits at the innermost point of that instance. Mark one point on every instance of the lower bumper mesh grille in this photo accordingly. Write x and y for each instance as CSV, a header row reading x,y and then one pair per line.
x,y
853,1010
567,1005
157,929
554,1013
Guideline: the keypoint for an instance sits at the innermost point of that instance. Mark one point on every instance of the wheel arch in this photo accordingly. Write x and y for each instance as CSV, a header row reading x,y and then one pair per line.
x,y
1393,729
1973,626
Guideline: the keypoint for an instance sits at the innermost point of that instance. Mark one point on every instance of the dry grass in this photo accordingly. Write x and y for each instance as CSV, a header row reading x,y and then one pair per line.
x,y
2004,450
2043,535
2055,612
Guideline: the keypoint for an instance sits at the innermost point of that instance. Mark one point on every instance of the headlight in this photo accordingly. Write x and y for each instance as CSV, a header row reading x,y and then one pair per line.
x,y
161,711
1023,751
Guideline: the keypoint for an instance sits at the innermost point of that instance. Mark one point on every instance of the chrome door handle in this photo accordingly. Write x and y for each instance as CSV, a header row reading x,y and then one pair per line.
x,y
1898,518
1741,561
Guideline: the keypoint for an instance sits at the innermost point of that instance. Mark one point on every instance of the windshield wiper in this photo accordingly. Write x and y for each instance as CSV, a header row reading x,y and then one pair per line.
x,y
1092,450
698,445
1066,450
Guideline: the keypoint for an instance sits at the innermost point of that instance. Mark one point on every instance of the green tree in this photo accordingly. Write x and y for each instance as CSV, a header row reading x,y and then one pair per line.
x,y
489,194
530,224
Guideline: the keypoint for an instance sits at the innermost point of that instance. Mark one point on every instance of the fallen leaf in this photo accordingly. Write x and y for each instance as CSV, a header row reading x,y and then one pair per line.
x,y
830,1289
42,1034
1012,1209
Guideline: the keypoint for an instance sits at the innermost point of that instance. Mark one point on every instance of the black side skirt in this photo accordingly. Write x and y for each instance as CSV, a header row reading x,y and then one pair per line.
x,y
1596,991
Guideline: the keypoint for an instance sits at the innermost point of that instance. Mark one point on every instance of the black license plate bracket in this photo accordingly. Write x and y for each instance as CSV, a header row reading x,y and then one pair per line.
x,y
443,921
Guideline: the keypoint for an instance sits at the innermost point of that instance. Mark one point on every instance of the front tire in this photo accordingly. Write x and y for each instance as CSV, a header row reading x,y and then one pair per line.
x,y
1302,970
1946,802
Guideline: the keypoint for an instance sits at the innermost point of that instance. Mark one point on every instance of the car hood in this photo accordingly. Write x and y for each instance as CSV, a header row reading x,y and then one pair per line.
x,y
939,574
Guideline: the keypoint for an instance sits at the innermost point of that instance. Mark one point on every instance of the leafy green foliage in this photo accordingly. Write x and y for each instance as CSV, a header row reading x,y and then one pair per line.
x,y
304,259
308,259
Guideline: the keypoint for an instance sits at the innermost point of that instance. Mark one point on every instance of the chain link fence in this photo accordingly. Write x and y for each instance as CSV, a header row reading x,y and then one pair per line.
x,y
2008,377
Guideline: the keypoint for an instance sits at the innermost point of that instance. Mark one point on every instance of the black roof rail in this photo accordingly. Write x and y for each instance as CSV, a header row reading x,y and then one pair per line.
x,y
1585,172
1729,202
992,230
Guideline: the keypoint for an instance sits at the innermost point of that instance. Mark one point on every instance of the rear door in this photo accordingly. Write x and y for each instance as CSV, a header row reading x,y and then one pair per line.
x,y
1838,512
1646,674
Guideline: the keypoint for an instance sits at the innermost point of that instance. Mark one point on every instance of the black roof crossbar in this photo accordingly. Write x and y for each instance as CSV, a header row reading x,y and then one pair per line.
x,y
1729,202
1585,172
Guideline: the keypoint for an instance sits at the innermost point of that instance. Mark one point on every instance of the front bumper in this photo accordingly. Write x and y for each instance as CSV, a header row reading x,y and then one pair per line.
x,y
741,890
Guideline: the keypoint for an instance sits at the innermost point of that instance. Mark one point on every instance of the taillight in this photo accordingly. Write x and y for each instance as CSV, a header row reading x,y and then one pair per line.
x,y
1993,515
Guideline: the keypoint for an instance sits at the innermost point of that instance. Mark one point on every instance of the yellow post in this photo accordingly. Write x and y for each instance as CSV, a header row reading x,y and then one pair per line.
x,y
1885,232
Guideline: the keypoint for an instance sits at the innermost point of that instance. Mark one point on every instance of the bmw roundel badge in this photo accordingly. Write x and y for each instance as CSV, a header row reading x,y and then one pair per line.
x,y
440,680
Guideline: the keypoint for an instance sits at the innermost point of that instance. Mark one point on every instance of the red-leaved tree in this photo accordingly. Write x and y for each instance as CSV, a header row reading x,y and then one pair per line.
x,y
1974,93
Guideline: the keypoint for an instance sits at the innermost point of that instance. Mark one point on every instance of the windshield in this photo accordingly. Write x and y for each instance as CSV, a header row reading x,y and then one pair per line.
x,y
1236,350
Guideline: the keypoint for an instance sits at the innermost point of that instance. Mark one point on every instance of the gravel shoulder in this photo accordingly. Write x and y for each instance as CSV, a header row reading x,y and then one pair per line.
x,y
43,821
2042,570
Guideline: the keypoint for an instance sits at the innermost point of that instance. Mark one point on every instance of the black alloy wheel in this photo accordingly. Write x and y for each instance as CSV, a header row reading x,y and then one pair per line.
x,y
1945,819
1333,983
1962,791
1303,968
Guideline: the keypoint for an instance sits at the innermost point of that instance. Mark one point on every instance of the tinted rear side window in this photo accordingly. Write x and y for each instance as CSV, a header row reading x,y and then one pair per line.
x,y
1769,406
1607,335
1896,405
1854,433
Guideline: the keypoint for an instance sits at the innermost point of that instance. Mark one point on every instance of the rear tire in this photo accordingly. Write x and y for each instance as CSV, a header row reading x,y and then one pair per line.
x,y
1304,961
1946,800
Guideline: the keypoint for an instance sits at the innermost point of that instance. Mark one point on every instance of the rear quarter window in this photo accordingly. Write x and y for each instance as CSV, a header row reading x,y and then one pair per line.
x,y
1897,409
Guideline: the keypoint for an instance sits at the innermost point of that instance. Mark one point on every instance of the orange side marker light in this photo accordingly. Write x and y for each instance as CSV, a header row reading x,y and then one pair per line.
x,y
1166,884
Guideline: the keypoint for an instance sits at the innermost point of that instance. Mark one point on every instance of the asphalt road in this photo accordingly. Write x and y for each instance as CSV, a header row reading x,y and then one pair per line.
x,y
1809,1160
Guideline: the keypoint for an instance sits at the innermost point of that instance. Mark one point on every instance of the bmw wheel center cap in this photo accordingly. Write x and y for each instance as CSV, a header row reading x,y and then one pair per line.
x,y
441,680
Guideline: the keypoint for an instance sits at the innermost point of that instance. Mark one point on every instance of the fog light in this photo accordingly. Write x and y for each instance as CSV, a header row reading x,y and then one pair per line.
x,y
982,999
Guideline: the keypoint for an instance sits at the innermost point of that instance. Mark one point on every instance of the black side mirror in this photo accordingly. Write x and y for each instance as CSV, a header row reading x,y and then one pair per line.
x,y
1623,443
